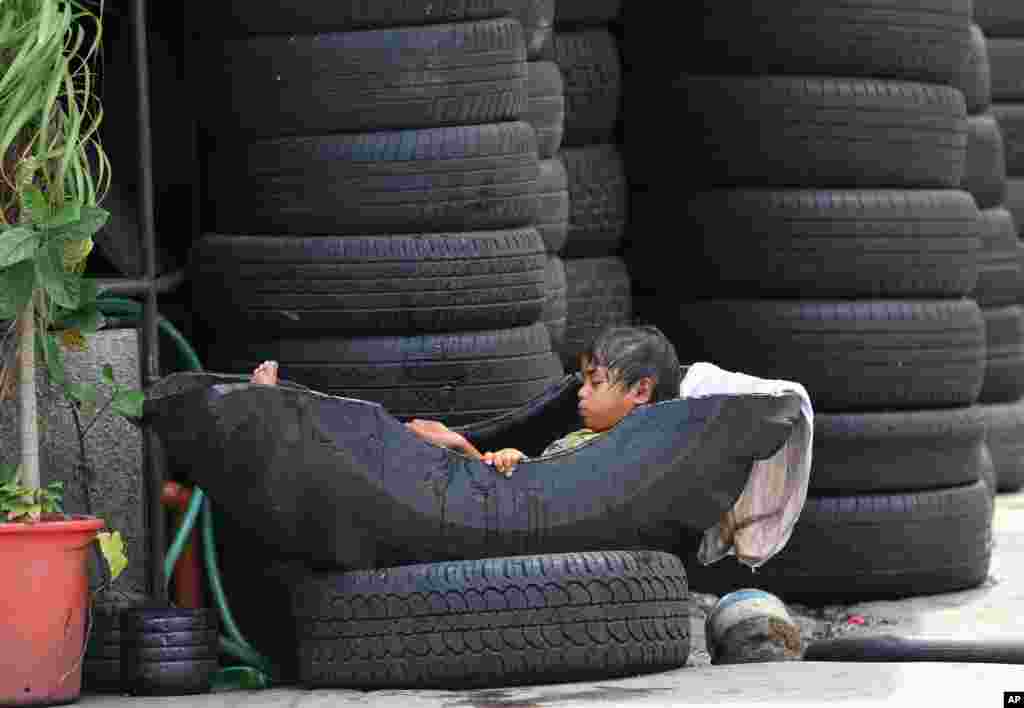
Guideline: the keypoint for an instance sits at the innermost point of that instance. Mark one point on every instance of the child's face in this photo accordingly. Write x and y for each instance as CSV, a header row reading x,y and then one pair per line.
x,y
604,401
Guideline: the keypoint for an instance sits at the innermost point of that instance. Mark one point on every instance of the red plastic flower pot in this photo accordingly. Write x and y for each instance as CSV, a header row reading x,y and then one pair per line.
x,y
43,602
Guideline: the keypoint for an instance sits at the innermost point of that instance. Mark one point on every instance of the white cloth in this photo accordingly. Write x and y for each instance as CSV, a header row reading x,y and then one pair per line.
x,y
776,490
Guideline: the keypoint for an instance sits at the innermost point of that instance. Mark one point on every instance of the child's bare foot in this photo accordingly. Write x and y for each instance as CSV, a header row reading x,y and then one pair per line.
x,y
265,373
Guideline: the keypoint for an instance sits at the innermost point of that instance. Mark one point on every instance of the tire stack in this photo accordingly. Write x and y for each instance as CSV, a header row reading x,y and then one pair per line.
x,y
830,241
1003,25
371,201
588,280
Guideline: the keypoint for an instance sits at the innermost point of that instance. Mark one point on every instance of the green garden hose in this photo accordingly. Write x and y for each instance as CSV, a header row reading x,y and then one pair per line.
x,y
234,644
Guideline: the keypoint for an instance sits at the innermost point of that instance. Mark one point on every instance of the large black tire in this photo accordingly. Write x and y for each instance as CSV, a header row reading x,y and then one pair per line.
x,y
999,273
975,77
898,451
1004,346
1005,424
792,131
985,162
916,40
466,178
1005,57
372,284
238,18
553,204
808,243
545,108
598,295
850,355
592,71
855,548
1010,117
494,622
1000,18
556,305
456,378
409,77
598,201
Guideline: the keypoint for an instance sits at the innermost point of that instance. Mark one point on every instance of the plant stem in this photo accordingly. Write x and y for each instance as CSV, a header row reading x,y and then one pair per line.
x,y
83,466
96,417
27,396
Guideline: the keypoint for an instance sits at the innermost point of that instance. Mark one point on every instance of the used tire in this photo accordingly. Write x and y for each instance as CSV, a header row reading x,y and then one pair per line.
x,y
598,295
915,40
1000,18
1005,56
1005,424
598,201
975,77
1015,201
592,74
455,378
855,548
985,162
494,622
545,108
850,355
410,77
786,131
1010,118
1004,346
465,178
553,204
556,305
587,12
808,243
897,451
373,284
999,273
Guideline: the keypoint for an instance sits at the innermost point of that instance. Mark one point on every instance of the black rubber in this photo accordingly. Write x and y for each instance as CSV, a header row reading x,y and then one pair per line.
x,y
592,73
917,40
206,650
985,162
903,649
598,201
494,622
808,243
598,295
975,76
886,546
545,107
1005,56
1015,202
1010,117
101,675
408,77
372,284
556,306
156,639
587,12
167,678
898,451
1004,346
789,131
1000,18
466,178
456,378
163,620
1005,424
553,204
999,273
850,355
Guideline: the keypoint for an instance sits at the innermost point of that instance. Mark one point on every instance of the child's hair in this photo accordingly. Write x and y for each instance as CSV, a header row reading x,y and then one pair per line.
x,y
631,353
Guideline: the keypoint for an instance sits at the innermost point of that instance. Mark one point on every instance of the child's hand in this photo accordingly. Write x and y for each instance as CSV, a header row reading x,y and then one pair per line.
x,y
436,432
504,461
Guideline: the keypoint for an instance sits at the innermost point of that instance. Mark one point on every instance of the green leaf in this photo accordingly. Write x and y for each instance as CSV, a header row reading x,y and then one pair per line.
x,y
129,403
112,548
107,375
16,285
87,318
90,221
34,202
54,358
70,212
63,287
9,472
18,243
86,393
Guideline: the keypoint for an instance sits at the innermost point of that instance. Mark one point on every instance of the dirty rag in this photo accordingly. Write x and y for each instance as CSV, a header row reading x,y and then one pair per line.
x,y
761,521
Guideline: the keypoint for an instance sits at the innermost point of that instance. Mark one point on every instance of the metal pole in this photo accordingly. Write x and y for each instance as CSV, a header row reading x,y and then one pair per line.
x,y
149,364
134,286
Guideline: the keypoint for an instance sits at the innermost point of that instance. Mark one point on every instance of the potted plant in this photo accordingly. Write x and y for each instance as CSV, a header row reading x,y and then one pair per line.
x,y
52,173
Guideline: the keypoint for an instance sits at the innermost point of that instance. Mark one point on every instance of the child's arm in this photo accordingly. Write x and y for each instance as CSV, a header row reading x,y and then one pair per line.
x,y
504,461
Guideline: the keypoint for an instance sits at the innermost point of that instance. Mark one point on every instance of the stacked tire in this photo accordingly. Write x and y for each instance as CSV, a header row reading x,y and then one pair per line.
x,y
1003,27
831,241
372,195
589,286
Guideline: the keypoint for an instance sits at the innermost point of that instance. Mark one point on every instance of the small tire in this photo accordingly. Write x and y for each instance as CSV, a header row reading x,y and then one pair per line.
x,y
1010,118
1004,352
556,305
592,73
494,622
999,261
598,201
1005,56
985,162
1005,424
545,108
598,295
553,204
975,77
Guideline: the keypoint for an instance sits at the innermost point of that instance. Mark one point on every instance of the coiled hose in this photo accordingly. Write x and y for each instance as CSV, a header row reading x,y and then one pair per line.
x,y
234,644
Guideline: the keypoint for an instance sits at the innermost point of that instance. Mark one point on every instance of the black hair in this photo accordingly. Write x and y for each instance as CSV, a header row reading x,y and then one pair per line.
x,y
632,353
